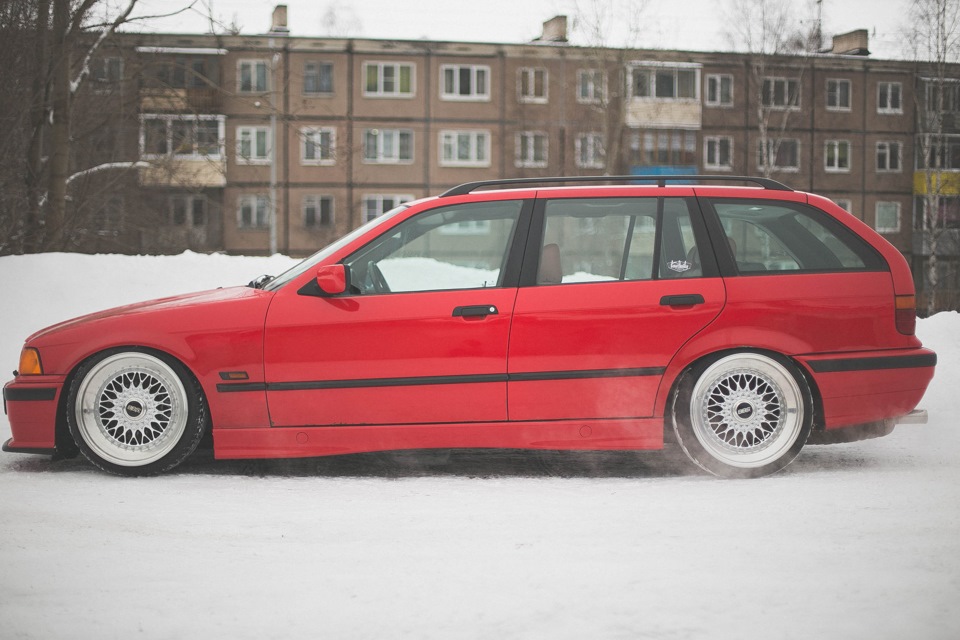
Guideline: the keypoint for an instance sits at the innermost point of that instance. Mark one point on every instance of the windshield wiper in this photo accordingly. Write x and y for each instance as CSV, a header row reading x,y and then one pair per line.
x,y
259,282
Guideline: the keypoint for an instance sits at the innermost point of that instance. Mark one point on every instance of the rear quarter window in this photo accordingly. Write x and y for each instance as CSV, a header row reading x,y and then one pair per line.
x,y
784,237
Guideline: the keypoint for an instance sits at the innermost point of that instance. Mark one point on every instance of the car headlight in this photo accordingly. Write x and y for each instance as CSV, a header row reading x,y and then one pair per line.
x,y
30,362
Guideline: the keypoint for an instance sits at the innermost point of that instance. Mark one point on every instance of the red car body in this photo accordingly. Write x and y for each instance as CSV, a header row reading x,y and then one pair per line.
x,y
291,370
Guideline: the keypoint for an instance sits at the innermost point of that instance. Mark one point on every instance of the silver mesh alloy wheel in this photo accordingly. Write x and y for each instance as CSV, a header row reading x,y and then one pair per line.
x,y
746,410
131,409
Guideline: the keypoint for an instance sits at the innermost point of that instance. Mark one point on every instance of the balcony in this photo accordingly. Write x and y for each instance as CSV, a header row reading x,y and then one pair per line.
x,y
183,100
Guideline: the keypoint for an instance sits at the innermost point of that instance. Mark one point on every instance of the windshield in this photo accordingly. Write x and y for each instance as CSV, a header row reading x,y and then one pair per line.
x,y
302,267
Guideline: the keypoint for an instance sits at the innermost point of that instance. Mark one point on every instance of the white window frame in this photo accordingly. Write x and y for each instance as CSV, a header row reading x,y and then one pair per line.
x,y
718,78
383,148
254,200
837,93
844,203
315,135
320,64
316,200
478,141
474,95
787,82
528,76
396,66
876,219
169,119
527,140
380,202
254,63
254,132
652,69
836,145
714,164
590,144
591,86
887,109
891,149
783,168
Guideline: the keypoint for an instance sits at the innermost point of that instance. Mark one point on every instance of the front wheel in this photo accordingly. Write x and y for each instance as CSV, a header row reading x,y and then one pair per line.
x,y
744,415
133,413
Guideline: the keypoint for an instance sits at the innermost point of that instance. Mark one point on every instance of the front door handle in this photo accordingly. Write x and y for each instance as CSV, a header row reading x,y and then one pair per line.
x,y
681,300
475,311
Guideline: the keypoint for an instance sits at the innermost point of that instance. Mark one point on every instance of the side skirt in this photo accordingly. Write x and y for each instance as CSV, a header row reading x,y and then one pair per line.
x,y
307,442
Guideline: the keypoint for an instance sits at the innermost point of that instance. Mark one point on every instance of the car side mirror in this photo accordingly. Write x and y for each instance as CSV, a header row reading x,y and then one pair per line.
x,y
333,279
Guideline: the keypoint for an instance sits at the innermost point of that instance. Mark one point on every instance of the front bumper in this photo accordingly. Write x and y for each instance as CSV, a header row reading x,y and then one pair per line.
x,y
31,408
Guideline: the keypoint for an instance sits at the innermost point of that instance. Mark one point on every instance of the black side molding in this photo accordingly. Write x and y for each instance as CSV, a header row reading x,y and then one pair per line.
x,y
872,364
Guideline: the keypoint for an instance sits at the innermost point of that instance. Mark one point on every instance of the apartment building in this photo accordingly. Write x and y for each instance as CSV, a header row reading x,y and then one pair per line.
x,y
284,143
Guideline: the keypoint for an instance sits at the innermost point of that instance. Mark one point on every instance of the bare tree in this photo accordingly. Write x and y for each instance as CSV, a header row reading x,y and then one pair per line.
x,y
935,35
594,23
770,33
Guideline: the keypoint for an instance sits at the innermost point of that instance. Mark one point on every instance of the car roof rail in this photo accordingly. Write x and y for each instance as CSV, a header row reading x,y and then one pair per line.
x,y
470,187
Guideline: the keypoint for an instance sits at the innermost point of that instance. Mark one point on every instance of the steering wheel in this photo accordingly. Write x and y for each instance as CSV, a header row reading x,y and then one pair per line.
x,y
376,278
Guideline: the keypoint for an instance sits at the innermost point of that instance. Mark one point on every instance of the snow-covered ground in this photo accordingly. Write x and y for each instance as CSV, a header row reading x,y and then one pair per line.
x,y
851,541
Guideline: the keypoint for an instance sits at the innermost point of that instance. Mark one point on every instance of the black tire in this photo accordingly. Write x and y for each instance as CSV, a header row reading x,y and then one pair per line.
x,y
134,413
743,415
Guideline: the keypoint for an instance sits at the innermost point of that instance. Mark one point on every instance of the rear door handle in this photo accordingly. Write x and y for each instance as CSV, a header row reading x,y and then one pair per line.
x,y
475,311
681,300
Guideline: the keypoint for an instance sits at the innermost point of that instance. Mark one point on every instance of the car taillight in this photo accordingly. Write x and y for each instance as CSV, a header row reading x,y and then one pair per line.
x,y
906,314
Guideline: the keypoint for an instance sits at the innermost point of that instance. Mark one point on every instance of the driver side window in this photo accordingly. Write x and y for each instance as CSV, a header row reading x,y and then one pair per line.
x,y
457,247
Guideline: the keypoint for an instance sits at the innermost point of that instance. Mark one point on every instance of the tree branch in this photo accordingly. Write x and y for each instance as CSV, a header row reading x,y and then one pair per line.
x,y
85,67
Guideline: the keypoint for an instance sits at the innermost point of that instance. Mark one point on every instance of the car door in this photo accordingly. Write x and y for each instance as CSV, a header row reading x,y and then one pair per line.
x,y
420,336
620,287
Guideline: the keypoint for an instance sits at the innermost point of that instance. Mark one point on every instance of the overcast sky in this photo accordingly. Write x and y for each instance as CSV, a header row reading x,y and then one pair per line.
x,y
699,25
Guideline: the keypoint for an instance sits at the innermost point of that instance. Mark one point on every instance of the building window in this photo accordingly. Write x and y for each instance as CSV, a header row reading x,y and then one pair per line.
x,y
531,149
387,146
375,205
888,217
665,83
106,70
932,154
666,148
464,82
317,78
844,203
317,211
464,148
388,80
838,95
181,136
253,76
942,99
188,211
888,156
784,155
718,153
253,212
836,156
253,145
719,91
781,93
590,152
591,85
889,97
317,145
532,85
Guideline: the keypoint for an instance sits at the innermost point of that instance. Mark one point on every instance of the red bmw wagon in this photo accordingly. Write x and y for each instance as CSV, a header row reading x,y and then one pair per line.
x,y
741,321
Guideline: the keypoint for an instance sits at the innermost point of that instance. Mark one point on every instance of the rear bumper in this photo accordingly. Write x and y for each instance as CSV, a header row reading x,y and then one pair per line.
x,y
862,387
31,408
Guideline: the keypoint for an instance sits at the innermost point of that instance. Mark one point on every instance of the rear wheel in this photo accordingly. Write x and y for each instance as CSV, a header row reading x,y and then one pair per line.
x,y
133,413
744,415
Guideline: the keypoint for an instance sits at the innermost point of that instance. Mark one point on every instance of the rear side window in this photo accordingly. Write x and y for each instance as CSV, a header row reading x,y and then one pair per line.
x,y
765,237
616,239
